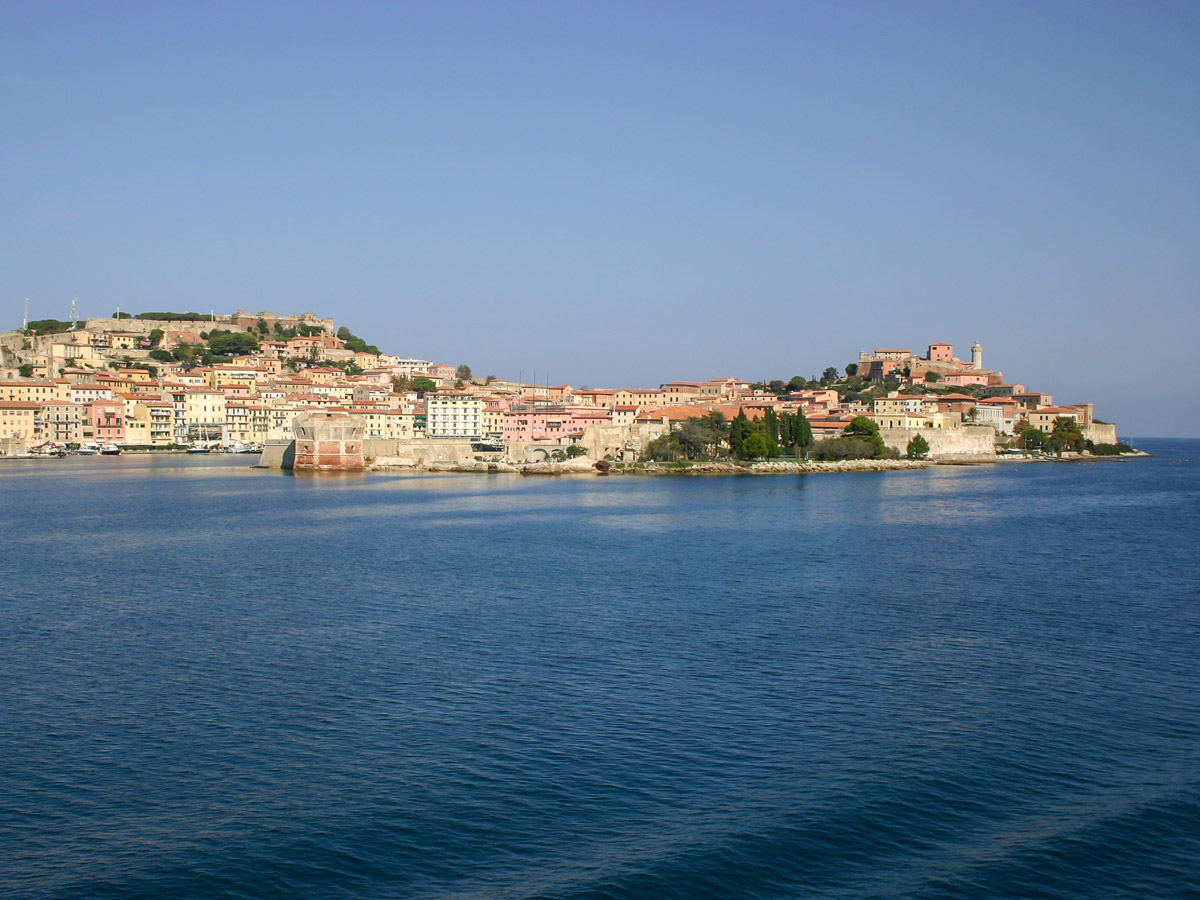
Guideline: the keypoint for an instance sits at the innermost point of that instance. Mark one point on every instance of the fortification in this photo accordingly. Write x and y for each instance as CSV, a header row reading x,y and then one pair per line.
x,y
329,441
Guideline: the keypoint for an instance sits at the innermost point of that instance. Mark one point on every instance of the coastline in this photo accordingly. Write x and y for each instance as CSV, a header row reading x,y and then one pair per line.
x,y
697,469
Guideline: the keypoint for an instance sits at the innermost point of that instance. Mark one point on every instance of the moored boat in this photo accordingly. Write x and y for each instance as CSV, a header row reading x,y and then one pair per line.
x,y
110,450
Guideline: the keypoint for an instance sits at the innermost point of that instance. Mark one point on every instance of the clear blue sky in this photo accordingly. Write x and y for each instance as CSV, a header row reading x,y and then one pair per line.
x,y
623,194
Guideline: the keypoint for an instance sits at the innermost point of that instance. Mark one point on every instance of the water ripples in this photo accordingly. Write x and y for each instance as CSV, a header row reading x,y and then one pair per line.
x,y
963,683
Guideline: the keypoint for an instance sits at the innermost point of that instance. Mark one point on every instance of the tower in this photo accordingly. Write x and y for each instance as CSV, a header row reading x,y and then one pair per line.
x,y
976,356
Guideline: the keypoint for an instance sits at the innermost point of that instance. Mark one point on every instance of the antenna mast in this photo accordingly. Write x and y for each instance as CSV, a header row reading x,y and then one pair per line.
x,y
74,315
25,321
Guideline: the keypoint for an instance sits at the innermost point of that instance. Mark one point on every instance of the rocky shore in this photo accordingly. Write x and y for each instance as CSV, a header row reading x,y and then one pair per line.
x,y
585,467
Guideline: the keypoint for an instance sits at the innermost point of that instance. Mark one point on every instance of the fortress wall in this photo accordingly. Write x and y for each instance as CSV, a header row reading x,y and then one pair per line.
x,y
145,326
968,442
419,452
1100,433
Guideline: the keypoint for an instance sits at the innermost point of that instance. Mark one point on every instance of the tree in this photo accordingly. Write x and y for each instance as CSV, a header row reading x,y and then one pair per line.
x,y
664,448
25,370
738,431
47,326
463,372
851,370
932,377
575,451
343,334
232,344
829,376
795,431
421,384
162,355
261,326
842,448
917,447
867,429
156,336
1028,437
759,446
694,438
1066,435
402,384
771,424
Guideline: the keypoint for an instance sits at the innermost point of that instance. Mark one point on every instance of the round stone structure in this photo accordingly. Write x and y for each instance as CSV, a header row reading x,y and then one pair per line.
x,y
329,441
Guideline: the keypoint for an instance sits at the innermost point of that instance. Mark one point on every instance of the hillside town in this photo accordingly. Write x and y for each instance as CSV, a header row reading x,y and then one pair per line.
x,y
240,382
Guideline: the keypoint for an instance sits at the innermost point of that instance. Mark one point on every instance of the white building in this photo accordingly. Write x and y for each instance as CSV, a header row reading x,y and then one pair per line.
x,y
454,415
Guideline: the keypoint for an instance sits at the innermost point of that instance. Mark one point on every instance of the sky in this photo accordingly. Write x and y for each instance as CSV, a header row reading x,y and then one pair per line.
x,y
623,194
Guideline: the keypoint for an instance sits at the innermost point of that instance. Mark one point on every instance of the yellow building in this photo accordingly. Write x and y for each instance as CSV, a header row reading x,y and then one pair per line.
x,y
18,422
204,413
639,397
233,376
33,391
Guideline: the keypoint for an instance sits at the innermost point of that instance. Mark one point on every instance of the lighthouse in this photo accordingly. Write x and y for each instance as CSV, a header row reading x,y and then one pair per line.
x,y
976,356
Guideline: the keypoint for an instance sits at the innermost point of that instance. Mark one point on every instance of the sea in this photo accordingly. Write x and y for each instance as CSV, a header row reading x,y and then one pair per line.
x,y
218,681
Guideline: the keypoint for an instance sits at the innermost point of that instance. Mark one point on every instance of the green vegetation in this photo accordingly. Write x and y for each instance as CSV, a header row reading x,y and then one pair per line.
x,y
1111,449
423,385
26,370
1066,435
839,448
350,342
279,333
47,326
867,430
758,446
171,316
664,448
231,343
917,448
1027,437
162,355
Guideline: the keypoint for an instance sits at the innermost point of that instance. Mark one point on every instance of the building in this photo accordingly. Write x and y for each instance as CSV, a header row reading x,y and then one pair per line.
x,y
454,414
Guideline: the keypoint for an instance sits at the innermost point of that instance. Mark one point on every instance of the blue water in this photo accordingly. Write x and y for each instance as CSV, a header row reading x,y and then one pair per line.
x,y
221,682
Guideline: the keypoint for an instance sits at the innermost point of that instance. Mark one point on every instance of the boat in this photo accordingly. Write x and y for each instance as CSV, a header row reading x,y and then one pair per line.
x,y
198,448
88,449
238,447
110,450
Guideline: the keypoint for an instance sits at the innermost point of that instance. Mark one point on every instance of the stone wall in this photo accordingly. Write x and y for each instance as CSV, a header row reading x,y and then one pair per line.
x,y
420,453
145,326
1100,433
967,442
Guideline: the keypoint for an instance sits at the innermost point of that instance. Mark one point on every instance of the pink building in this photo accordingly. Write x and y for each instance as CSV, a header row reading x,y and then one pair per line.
x,y
964,377
940,352
107,418
528,423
